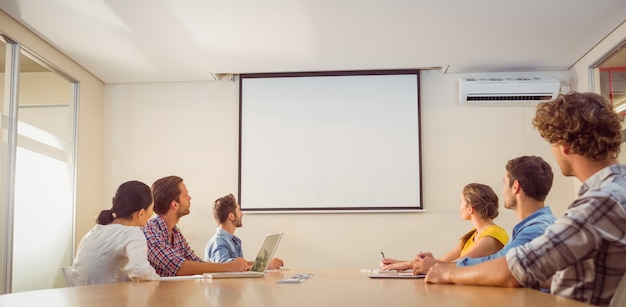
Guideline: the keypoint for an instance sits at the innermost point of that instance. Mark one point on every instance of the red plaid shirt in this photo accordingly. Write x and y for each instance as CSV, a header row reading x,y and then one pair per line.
x,y
164,255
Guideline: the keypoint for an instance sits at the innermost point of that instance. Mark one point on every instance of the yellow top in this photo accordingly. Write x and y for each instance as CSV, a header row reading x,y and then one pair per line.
x,y
493,231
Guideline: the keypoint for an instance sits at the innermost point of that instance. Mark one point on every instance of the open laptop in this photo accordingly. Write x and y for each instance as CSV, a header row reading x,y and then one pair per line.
x,y
261,262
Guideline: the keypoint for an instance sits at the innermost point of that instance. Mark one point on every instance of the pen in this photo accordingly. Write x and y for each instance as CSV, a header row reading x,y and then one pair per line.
x,y
383,254
421,255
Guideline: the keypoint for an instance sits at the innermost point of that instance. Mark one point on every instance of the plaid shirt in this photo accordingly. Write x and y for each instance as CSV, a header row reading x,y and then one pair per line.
x,y
164,255
585,249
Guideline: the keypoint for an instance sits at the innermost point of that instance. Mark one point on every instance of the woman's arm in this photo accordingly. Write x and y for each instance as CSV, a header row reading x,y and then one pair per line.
x,y
485,246
136,249
454,254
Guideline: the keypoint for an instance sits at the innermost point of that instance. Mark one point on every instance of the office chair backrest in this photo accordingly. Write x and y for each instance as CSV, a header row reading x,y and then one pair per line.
x,y
619,297
68,275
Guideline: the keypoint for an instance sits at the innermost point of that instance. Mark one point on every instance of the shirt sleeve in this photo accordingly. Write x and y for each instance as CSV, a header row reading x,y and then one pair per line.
x,y
138,268
189,253
218,251
467,261
160,255
497,233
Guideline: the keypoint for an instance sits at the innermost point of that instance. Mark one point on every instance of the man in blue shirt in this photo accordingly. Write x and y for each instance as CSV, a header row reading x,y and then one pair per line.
x,y
527,181
224,246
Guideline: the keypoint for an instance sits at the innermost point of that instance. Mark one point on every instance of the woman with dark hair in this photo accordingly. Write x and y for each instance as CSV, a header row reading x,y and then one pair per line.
x,y
478,204
115,248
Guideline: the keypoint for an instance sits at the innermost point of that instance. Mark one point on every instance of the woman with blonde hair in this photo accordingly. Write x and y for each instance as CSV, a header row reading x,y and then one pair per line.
x,y
479,205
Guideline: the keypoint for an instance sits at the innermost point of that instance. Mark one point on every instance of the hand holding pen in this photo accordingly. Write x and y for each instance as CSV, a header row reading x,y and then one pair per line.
x,y
423,262
385,262
388,264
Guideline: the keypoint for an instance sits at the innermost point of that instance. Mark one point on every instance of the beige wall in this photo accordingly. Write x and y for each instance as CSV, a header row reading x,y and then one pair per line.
x,y
89,168
145,131
191,130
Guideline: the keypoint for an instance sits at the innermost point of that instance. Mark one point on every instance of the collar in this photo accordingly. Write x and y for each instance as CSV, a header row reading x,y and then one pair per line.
x,y
161,225
225,234
600,176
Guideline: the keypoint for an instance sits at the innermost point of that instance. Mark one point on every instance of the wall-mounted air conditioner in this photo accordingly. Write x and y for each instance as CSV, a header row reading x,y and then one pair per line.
x,y
502,89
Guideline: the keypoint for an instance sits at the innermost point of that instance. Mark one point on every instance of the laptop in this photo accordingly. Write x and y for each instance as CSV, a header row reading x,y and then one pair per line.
x,y
261,262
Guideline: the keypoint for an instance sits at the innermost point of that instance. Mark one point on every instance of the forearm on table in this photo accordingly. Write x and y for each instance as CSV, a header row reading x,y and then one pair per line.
x,y
491,273
194,267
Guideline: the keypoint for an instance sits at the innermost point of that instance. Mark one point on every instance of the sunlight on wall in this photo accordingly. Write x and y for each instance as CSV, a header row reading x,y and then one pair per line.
x,y
42,202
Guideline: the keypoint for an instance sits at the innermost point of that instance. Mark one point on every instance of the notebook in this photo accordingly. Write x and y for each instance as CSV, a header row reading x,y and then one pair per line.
x,y
402,274
261,262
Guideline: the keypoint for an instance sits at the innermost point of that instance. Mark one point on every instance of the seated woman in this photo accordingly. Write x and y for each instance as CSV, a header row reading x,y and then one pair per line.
x,y
115,248
479,204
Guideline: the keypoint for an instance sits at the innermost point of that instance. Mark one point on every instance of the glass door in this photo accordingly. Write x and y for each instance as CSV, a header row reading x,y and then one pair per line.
x,y
44,176
5,166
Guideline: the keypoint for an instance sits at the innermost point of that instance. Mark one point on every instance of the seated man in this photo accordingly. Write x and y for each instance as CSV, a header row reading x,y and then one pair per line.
x,y
168,251
224,246
527,181
583,252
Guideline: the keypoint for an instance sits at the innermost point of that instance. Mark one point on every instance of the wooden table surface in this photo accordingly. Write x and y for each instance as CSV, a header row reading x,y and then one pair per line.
x,y
344,287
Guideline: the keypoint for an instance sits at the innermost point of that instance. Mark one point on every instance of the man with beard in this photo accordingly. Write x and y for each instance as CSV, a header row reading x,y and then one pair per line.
x,y
224,246
168,250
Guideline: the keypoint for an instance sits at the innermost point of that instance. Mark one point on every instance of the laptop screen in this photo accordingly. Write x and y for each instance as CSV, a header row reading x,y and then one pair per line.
x,y
266,252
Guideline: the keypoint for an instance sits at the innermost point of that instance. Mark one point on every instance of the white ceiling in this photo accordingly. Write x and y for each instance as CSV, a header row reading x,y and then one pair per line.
x,y
125,41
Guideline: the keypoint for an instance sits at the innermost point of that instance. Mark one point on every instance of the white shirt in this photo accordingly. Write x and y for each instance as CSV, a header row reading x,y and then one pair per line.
x,y
112,253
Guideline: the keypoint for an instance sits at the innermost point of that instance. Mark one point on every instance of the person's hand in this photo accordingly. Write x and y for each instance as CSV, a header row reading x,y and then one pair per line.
x,y
423,263
423,255
238,265
276,264
439,274
398,266
387,261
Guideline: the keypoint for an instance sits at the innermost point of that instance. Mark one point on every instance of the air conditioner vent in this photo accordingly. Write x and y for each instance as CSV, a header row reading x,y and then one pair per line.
x,y
518,97
501,89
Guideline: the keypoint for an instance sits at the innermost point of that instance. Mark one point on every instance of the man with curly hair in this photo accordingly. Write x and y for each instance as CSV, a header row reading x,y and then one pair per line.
x,y
582,255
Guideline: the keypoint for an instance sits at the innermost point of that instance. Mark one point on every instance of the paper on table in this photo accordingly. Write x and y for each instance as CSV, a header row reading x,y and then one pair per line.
x,y
381,271
182,277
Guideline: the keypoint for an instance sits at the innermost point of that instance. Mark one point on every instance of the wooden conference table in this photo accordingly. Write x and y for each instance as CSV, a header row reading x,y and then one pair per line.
x,y
326,288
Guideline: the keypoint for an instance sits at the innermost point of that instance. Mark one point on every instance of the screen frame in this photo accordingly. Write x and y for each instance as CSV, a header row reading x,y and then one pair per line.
x,y
335,209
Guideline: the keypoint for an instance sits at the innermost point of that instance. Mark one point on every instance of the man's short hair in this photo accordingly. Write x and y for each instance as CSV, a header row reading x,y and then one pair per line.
x,y
223,207
533,174
164,191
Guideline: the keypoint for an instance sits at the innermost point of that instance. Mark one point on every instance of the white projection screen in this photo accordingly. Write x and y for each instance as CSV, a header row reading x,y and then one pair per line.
x,y
330,141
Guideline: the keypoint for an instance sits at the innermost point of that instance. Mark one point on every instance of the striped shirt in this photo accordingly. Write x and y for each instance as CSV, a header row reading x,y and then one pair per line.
x,y
164,255
585,249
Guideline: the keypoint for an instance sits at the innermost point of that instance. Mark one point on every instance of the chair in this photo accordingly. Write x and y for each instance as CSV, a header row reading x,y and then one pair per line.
x,y
619,297
68,275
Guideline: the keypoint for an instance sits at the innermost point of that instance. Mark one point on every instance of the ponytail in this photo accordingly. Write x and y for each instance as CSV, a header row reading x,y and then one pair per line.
x,y
105,217
129,198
